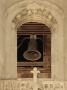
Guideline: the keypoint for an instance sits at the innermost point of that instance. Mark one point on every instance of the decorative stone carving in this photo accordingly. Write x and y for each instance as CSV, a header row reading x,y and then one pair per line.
x,y
35,72
28,85
33,13
35,83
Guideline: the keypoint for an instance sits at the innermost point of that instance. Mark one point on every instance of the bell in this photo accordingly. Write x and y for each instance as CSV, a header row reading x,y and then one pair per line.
x,y
32,53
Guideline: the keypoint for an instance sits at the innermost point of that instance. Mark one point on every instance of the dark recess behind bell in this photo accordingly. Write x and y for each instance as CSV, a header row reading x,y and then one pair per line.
x,y
22,43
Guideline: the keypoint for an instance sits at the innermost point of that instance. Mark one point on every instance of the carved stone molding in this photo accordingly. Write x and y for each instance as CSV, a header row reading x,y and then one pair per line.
x,y
39,11
29,85
33,15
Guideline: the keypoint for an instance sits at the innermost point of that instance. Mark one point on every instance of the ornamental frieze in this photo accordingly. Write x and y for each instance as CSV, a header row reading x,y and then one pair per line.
x,y
34,14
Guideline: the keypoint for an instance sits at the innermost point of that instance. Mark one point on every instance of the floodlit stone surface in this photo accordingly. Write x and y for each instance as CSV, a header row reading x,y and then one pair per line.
x,y
9,9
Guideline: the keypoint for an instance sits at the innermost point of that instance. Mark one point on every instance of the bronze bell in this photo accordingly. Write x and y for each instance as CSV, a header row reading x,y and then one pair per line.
x,y
32,53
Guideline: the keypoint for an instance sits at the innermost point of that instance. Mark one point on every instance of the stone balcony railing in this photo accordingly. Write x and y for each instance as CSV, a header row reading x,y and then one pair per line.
x,y
27,84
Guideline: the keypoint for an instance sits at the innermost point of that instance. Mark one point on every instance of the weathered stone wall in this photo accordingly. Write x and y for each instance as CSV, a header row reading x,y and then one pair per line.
x,y
9,36
8,42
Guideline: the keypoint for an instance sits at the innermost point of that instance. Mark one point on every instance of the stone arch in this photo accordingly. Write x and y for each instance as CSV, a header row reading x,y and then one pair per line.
x,y
38,13
52,11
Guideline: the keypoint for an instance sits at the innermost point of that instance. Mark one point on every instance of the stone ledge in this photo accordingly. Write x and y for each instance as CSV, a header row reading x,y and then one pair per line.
x,y
27,84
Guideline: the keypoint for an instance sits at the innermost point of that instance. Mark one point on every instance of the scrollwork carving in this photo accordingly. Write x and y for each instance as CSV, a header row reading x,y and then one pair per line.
x,y
34,13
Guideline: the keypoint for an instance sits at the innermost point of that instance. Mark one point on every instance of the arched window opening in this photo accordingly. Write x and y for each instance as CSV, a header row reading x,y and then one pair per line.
x,y
33,49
